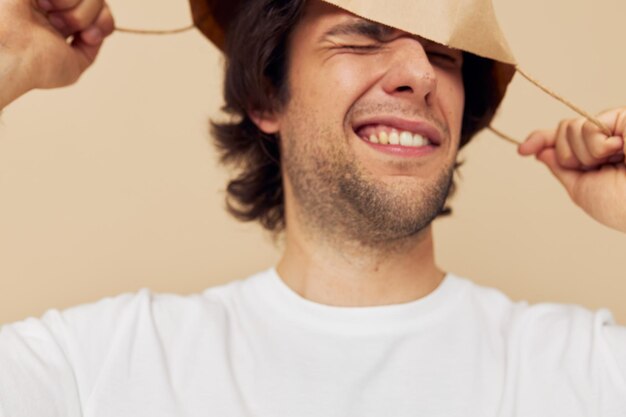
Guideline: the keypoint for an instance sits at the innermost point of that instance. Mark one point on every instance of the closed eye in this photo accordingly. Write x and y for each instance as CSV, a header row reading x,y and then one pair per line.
x,y
442,56
359,48
445,58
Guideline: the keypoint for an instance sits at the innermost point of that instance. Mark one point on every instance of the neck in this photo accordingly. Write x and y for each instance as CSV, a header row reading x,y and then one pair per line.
x,y
350,274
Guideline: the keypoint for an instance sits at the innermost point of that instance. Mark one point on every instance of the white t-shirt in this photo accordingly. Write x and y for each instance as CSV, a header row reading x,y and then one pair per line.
x,y
256,348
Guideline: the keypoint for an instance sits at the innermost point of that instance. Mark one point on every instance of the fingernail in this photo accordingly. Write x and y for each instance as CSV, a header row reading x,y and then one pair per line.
x,y
57,22
92,35
45,5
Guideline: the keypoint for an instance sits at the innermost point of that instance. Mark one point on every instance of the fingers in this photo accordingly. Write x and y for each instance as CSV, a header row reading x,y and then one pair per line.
x,y
63,4
580,144
537,141
100,29
619,127
90,40
78,18
86,23
90,18
598,145
571,152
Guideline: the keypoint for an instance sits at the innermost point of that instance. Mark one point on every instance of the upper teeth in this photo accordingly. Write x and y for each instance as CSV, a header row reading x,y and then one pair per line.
x,y
399,138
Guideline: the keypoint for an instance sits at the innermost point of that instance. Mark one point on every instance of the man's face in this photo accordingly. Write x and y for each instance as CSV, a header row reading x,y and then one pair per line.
x,y
370,131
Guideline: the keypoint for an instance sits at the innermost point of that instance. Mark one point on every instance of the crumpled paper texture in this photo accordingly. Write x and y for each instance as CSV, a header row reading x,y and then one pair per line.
x,y
468,25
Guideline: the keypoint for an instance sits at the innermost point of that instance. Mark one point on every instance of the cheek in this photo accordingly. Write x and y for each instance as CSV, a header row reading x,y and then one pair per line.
x,y
334,86
452,96
349,77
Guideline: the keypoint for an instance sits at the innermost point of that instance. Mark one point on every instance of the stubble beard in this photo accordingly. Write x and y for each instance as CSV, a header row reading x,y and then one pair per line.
x,y
339,202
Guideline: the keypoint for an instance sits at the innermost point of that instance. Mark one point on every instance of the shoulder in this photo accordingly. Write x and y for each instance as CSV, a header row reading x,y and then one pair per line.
x,y
78,344
127,313
58,361
540,319
552,343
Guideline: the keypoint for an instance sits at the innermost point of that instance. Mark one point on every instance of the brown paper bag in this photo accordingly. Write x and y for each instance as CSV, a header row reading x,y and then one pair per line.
x,y
468,25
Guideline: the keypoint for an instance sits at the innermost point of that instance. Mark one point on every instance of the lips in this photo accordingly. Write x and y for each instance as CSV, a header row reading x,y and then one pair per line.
x,y
394,131
384,135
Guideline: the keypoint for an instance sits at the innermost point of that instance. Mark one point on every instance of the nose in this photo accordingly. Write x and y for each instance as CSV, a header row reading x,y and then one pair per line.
x,y
410,72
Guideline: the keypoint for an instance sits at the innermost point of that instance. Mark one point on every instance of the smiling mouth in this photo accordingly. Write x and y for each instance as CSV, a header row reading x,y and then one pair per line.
x,y
394,134
384,135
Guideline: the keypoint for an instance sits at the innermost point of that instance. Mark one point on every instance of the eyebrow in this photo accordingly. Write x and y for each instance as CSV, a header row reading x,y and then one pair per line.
x,y
361,27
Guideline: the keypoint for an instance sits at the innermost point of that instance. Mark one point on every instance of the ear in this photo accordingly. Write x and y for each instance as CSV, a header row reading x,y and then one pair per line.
x,y
267,122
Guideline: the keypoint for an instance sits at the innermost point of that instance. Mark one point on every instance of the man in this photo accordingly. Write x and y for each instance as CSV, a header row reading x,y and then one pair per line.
x,y
356,319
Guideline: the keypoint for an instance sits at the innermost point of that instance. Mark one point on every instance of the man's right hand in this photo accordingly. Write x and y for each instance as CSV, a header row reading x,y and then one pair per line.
x,y
48,43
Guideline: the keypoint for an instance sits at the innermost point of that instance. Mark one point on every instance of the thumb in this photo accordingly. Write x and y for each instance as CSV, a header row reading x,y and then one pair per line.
x,y
87,45
88,42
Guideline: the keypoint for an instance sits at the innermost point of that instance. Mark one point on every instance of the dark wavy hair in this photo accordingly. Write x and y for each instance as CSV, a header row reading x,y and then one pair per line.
x,y
256,58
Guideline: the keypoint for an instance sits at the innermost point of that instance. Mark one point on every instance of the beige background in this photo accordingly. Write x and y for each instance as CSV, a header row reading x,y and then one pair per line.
x,y
112,185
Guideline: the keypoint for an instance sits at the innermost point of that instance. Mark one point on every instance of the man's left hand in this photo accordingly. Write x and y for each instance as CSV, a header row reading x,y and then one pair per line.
x,y
588,163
